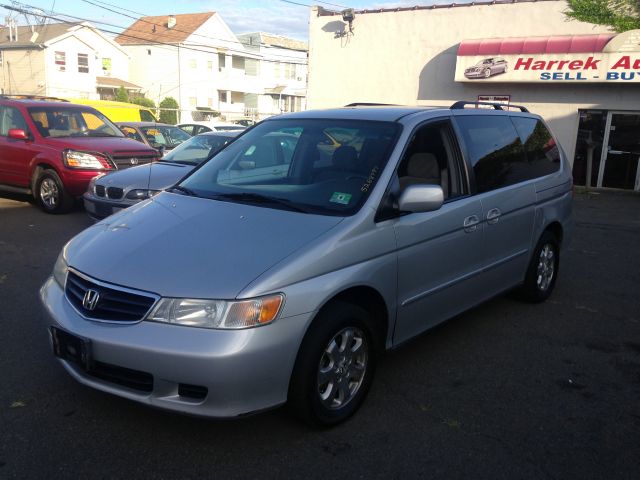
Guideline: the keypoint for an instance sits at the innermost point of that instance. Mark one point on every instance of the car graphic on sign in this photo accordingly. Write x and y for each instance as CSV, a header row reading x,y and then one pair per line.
x,y
487,68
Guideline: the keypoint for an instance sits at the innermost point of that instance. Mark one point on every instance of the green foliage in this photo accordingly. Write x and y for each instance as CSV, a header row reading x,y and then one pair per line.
x,y
620,15
169,116
122,95
145,102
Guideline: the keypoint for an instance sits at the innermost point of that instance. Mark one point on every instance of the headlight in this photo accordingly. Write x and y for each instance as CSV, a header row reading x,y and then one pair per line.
x,y
86,160
217,313
60,270
141,194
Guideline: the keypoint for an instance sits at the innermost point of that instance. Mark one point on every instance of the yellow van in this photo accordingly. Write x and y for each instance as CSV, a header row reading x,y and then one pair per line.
x,y
119,111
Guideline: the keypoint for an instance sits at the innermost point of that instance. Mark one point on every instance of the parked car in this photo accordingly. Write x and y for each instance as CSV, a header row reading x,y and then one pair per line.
x,y
161,136
197,127
487,68
245,121
52,150
111,193
233,292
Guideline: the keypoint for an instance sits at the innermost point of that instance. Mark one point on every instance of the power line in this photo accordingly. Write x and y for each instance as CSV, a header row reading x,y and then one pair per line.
x,y
169,46
143,19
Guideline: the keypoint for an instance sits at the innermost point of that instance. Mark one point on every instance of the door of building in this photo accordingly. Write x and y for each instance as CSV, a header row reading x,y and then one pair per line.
x,y
620,160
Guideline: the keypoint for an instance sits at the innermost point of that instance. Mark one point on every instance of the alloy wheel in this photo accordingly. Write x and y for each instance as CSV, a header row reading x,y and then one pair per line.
x,y
49,193
342,368
546,267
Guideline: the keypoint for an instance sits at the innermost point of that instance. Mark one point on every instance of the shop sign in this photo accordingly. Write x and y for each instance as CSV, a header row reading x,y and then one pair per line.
x,y
618,62
500,99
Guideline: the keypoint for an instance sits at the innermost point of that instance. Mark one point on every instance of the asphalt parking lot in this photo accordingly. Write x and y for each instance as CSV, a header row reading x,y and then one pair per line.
x,y
507,390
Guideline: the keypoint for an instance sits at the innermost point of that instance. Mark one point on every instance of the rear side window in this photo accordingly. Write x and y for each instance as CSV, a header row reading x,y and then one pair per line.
x,y
543,155
495,151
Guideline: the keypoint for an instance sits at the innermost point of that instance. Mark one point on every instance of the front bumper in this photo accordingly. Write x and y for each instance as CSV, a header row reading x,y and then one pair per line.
x,y
99,208
474,74
241,371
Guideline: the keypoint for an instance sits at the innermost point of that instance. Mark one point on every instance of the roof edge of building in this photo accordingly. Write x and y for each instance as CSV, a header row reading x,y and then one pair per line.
x,y
324,12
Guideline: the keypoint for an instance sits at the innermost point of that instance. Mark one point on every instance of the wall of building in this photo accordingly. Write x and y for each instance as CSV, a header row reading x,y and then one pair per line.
x,y
103,48
23,71
409,57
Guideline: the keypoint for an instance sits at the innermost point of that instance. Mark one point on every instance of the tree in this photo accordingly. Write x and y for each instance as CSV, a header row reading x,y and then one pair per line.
x,y
169,116
620,15
122,95
145,102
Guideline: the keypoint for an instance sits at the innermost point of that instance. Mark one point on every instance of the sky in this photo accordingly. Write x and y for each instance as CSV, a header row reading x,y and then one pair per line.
x,y
284,17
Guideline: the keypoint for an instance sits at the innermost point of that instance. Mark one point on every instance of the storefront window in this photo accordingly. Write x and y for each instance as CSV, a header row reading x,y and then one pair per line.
x,y
589,146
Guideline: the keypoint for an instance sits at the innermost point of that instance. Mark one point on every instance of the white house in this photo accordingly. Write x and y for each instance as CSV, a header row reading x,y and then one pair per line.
x,y
62,60
283,71
196,59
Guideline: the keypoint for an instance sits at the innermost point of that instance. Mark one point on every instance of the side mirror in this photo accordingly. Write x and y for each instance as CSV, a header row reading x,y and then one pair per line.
x,y
17,134
421,198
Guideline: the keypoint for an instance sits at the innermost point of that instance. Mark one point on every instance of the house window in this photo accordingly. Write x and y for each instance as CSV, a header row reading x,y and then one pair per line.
x,y
61,61
210,102
222,61
276,69
237,62
193,101
106,66
222,96
83,63
193,63
209,64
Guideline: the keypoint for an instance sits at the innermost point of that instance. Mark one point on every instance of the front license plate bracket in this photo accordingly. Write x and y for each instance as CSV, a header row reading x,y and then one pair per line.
x,y
71,347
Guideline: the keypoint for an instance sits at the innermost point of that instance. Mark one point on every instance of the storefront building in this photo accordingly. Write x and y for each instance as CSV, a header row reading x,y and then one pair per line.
x,y
583,79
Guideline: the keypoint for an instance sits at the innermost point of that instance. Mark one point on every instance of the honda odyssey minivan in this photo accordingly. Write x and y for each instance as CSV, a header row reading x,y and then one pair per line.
x,y
277,271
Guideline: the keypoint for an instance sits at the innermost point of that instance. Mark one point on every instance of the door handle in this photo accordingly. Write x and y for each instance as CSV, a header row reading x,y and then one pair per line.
x,y
493,216
470,224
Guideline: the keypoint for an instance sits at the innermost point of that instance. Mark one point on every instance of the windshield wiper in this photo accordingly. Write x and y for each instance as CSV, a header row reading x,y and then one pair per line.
x,y
260,199
183,191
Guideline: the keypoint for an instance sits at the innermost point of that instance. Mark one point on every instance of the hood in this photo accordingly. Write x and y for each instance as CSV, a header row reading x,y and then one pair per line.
x,y
153,176
112,145
179,246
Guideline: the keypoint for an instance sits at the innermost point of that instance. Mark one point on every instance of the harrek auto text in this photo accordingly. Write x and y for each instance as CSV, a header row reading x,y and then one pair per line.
x,y
623,68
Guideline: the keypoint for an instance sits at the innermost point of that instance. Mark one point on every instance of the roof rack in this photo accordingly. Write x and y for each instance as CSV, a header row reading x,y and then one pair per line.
x,y
365,104
497,106
34,97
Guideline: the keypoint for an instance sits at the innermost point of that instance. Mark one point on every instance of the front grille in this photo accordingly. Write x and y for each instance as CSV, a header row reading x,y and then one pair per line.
x,y
134,379
113,303
114,193
100,190
126,161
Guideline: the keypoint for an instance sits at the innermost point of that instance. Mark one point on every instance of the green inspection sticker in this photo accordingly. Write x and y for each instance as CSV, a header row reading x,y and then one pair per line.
x,y
342,198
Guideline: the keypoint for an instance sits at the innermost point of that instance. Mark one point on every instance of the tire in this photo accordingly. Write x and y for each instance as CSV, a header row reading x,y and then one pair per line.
x,y
335,366
542,272
505,69
50,194
487,73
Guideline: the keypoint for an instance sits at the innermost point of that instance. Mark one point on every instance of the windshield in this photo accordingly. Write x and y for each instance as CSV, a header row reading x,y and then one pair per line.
x,y
315,166
197,149
160,136
62,121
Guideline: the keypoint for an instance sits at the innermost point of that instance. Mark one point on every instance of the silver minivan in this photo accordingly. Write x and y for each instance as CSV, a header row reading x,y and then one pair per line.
x,y
281,268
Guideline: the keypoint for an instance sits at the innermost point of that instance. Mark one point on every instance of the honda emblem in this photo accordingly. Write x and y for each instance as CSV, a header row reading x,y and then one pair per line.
x,y
90,299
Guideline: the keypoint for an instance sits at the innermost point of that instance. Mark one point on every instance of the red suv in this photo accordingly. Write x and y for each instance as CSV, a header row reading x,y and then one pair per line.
x,y
53,149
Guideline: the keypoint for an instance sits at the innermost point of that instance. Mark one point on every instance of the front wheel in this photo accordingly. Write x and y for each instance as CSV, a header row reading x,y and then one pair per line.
x,y
50,193
487,73
335,366
542,271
